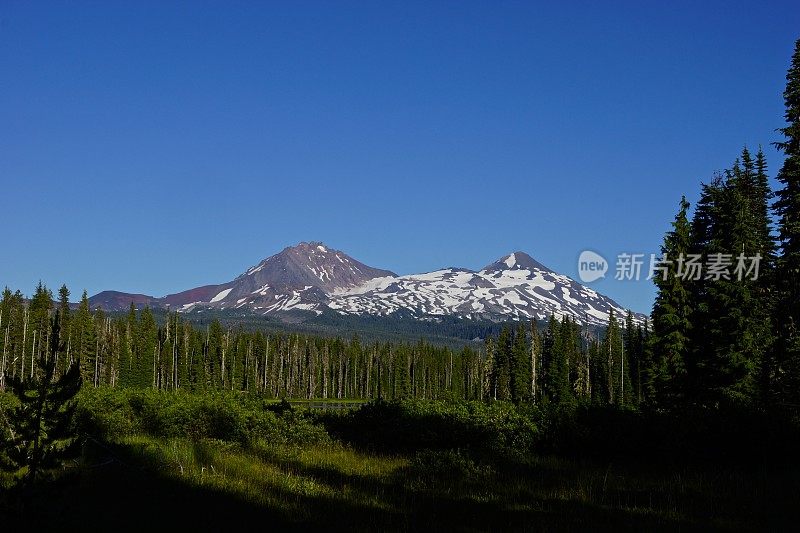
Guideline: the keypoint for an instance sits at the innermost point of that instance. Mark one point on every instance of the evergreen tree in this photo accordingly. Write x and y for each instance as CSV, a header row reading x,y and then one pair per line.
x,y
649,372
38,431
787,206
762,196
520,369
502,365
730,311
764,288
704,242
630,360
65,313
614,370
739,326
569,342
597,378
63,306
39,309
146,346
557,385
671,315
84,339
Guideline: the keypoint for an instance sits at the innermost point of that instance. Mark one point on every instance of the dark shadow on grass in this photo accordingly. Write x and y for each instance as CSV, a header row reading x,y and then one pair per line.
x,y
131,494
457,503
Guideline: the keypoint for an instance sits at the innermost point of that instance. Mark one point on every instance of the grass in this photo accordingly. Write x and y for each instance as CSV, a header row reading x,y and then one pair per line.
x,y
212,463
143,481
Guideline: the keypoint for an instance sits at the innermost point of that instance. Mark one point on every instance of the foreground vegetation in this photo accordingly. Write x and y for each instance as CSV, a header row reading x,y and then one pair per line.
x,y
159,459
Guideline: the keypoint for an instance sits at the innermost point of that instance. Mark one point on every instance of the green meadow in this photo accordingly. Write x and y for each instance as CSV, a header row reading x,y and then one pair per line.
x,y
225,461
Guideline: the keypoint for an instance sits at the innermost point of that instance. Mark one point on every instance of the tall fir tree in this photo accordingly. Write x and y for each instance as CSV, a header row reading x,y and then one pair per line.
x,y
648,375
787,311
731,310
520,368
557,384
502,365
765,287
614,368
631,344
671,315
65,313
84,338
704,242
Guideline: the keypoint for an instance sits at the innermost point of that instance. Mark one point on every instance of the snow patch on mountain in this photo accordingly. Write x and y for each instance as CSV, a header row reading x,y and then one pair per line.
x,y
514,287
221,295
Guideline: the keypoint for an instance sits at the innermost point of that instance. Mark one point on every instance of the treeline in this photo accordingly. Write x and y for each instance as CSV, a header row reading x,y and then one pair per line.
x,y
561,362
135,351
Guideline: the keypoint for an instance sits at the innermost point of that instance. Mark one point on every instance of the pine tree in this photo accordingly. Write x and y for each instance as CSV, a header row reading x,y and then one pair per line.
x,y
671,315
704,242
556,379
502,365
38,431
731,312
613,368
765,286
761,199
520,368
649,371
84,338
146,344
597,377
64,311
787,206
39,309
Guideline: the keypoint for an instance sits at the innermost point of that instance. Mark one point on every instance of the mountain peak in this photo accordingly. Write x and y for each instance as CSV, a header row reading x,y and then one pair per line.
x,y
517,261
318,246
306,264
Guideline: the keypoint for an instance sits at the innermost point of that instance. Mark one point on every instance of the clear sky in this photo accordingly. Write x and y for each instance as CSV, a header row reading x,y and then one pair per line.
x,y
156,146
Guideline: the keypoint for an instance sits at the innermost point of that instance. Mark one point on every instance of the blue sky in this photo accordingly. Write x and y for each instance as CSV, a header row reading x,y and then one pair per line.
x,y
155,146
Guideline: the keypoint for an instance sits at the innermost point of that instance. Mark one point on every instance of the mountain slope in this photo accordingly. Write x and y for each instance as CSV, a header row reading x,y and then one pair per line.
x,y
299,277
313,277
515,286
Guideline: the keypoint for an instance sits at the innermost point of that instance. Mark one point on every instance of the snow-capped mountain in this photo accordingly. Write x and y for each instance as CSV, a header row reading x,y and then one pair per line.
x,y
299,277
515,286
314,277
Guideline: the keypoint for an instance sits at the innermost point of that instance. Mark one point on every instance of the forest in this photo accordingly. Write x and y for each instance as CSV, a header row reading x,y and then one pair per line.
x,y
689,420
135,351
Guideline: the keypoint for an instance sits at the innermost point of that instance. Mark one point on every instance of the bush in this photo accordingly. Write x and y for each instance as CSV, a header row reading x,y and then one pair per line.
x,y
110,414
411,425
444,469
104,414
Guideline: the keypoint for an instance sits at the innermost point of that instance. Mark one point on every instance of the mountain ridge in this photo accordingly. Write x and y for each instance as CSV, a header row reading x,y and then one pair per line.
x,y
313,277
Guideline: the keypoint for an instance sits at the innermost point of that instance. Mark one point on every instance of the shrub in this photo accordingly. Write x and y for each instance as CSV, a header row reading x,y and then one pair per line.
x,y
411,425
111,414
444,468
